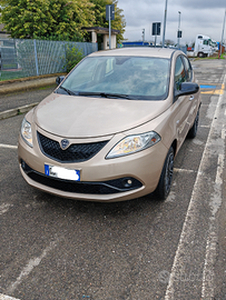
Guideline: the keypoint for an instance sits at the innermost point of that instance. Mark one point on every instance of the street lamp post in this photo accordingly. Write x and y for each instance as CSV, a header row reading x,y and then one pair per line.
x,y
222,36
143,35
178,37
109,11
164,26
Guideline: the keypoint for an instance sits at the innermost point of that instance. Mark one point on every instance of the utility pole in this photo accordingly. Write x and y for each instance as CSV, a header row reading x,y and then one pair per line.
x,y
109,11
222,36
164,26
143,35
178,34
110,15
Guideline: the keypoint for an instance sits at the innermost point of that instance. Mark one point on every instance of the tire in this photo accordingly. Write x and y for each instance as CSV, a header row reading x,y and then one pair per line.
x,y
200,54
163,189
193,131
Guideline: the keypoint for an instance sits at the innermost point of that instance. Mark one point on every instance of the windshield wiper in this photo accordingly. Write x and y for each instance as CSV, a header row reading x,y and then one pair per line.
x,y
109,95
105,95
67,90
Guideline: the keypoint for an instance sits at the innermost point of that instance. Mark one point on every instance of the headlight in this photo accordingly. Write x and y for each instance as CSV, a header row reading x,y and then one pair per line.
x,y
134,143
26,132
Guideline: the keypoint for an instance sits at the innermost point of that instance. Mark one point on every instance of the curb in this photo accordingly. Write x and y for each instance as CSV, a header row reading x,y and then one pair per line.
x,y
23,84
17,86
16,111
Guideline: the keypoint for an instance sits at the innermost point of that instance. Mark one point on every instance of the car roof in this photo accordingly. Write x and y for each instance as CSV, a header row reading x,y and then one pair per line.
x,y
138,51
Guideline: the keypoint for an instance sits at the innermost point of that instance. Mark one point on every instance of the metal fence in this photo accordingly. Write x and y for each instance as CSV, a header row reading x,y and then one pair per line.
x,y
25,58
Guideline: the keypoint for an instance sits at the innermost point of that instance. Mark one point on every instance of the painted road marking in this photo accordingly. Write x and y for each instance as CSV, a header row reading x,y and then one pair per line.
x,y
4,208
223,134
8,146
184,170
208,86
4,297
189,230
30,266
217,89
211,247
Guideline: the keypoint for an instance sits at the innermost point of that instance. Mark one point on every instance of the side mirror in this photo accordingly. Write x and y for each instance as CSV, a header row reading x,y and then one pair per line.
x,y
59,79
187,88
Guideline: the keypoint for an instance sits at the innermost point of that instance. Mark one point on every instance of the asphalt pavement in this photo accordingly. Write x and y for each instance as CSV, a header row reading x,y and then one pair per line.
x,y
40,87
53,248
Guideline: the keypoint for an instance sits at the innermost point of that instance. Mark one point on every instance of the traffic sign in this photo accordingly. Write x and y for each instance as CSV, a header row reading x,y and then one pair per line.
x,y
156,28
110,9
179,34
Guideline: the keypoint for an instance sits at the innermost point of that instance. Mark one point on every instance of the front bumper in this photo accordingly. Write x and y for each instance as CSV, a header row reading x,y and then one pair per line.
x,y
102,180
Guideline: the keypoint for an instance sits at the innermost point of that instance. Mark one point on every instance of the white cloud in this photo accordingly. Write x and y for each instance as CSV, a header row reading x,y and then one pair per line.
x,y
197,16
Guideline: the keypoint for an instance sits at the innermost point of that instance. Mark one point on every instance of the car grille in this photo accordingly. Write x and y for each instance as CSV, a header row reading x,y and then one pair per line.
x,y
106,187
74,153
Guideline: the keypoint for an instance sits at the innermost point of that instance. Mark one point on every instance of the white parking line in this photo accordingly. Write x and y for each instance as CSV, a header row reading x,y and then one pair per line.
x,y
4,208
220,168
211,247
8,146
184,170
223,134
30,266
189,230
4,297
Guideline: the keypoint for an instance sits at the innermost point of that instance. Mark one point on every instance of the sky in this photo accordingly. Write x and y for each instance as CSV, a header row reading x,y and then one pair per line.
x,y
197,17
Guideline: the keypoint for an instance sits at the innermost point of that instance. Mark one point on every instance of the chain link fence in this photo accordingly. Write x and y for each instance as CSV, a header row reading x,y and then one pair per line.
x,y
26,58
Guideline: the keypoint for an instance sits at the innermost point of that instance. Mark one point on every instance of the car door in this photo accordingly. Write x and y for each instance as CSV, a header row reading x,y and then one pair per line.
x,y
193,98
183,104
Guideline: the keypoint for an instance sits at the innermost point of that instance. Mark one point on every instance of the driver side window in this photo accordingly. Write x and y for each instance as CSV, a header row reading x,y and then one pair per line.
x,y
180,73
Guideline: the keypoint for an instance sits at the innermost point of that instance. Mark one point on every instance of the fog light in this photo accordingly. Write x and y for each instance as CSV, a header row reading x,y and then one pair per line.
x,y
23,165
127,183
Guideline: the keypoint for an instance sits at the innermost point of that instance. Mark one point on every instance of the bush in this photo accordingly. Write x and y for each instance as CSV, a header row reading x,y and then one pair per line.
x,y
73,56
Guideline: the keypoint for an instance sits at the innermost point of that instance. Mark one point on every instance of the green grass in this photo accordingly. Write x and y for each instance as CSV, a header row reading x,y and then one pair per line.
x,y
8,75
215,56
10,66
47,87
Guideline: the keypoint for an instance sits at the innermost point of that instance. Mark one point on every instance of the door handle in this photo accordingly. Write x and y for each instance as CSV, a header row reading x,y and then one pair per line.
x,y
191,98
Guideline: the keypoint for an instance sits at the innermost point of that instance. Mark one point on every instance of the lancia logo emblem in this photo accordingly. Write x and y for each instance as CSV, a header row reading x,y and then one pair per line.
x,y
64,144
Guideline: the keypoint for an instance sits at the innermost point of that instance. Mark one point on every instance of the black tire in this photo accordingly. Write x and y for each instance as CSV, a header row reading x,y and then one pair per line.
x,y
163,189
200,54
193,131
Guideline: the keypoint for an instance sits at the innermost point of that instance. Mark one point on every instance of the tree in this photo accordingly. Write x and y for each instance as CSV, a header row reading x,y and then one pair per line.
x,y
45,18
57,19
24,18
119,22
169,42
100,12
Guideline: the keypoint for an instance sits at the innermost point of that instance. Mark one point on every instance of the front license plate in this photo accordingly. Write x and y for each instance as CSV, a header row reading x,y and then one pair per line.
x,y
62,173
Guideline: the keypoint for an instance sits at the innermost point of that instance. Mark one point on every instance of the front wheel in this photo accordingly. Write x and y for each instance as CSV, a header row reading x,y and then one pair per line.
x,y
165,181
201,54
193,131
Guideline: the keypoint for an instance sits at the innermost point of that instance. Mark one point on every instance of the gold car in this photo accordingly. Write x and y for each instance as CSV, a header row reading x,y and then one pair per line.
x,y
112,128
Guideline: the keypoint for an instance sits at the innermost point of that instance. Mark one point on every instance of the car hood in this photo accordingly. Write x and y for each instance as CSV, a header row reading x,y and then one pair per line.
x,y
84,117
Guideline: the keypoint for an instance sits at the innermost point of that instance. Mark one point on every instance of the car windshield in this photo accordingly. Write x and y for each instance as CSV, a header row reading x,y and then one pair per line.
x,y
144,78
